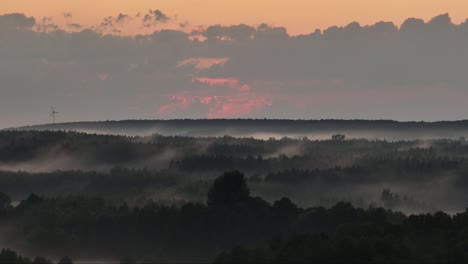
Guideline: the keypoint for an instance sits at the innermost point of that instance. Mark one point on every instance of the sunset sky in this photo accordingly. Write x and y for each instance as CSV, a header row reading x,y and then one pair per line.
x,y
142,59
298,16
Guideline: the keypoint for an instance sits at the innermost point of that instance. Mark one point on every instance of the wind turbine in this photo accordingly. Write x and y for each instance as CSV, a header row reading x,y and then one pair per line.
x,y
53,114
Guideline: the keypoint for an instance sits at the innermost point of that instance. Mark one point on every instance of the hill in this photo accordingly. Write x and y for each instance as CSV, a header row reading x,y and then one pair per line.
x,y
266,128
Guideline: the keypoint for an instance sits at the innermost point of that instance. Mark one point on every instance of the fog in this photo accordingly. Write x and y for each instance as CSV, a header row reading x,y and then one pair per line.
x,y
173,169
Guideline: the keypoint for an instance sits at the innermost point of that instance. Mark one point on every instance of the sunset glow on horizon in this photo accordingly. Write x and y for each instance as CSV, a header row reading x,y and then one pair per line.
x,y
298,16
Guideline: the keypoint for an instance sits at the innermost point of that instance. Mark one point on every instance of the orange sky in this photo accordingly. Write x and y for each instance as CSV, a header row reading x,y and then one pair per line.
x,y
299,16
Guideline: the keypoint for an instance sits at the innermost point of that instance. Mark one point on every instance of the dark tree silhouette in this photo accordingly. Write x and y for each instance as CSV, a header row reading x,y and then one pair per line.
x,y
5,201
8,256
41,260
338,137
229,189
127,260
65,260
284,210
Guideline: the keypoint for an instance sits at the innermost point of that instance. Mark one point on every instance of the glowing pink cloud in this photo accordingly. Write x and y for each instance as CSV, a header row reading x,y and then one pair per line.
x,y
203,63
206,100
244,88
182,103
230,82
217,81
240,105
237,100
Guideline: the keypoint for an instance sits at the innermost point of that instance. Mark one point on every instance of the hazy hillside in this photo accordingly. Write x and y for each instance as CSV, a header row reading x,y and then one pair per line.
x,y
266,128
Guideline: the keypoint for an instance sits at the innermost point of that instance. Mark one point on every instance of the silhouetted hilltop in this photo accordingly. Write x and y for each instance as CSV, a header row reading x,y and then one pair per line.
x,y
266,128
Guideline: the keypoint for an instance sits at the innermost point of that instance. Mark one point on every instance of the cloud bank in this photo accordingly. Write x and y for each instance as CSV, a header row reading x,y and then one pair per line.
x,y
413,71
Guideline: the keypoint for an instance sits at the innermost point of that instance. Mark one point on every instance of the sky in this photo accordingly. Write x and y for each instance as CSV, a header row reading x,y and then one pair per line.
x,y
141,59
298,16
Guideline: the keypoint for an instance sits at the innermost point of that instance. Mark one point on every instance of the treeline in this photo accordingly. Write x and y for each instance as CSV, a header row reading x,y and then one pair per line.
x,y
428,238
231,217
186,152
8,256
116,180
245,126
311,172
62,150
278,171
419,239
192,232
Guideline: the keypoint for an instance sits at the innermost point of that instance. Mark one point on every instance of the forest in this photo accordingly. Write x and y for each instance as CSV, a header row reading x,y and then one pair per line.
x,y
426,175
75,197
231,226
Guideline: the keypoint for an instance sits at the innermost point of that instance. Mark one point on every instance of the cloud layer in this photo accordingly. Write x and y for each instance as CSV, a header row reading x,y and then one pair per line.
x,y
413,71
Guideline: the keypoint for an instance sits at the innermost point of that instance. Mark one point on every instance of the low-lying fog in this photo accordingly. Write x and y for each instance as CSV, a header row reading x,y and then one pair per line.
x,y
420,175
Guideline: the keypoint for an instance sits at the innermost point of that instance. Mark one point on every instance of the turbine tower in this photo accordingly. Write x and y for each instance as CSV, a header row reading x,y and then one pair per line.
x,y
53,114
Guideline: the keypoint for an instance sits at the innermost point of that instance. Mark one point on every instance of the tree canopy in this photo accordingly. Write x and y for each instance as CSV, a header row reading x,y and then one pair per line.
x,y
229,189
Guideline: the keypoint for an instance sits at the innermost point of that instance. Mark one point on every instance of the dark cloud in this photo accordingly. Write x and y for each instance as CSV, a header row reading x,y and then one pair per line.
x,y
417,71
413,25
75,26
442,22
16,21
121,18
69,22
154,17
107,22
46,24
113,25
183,24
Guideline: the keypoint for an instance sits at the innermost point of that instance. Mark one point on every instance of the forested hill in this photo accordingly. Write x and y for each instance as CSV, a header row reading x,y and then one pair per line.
x,y
265,128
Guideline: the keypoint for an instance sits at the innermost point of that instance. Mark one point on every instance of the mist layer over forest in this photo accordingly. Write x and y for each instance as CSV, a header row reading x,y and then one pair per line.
x,y
420,175
89,196
267,128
